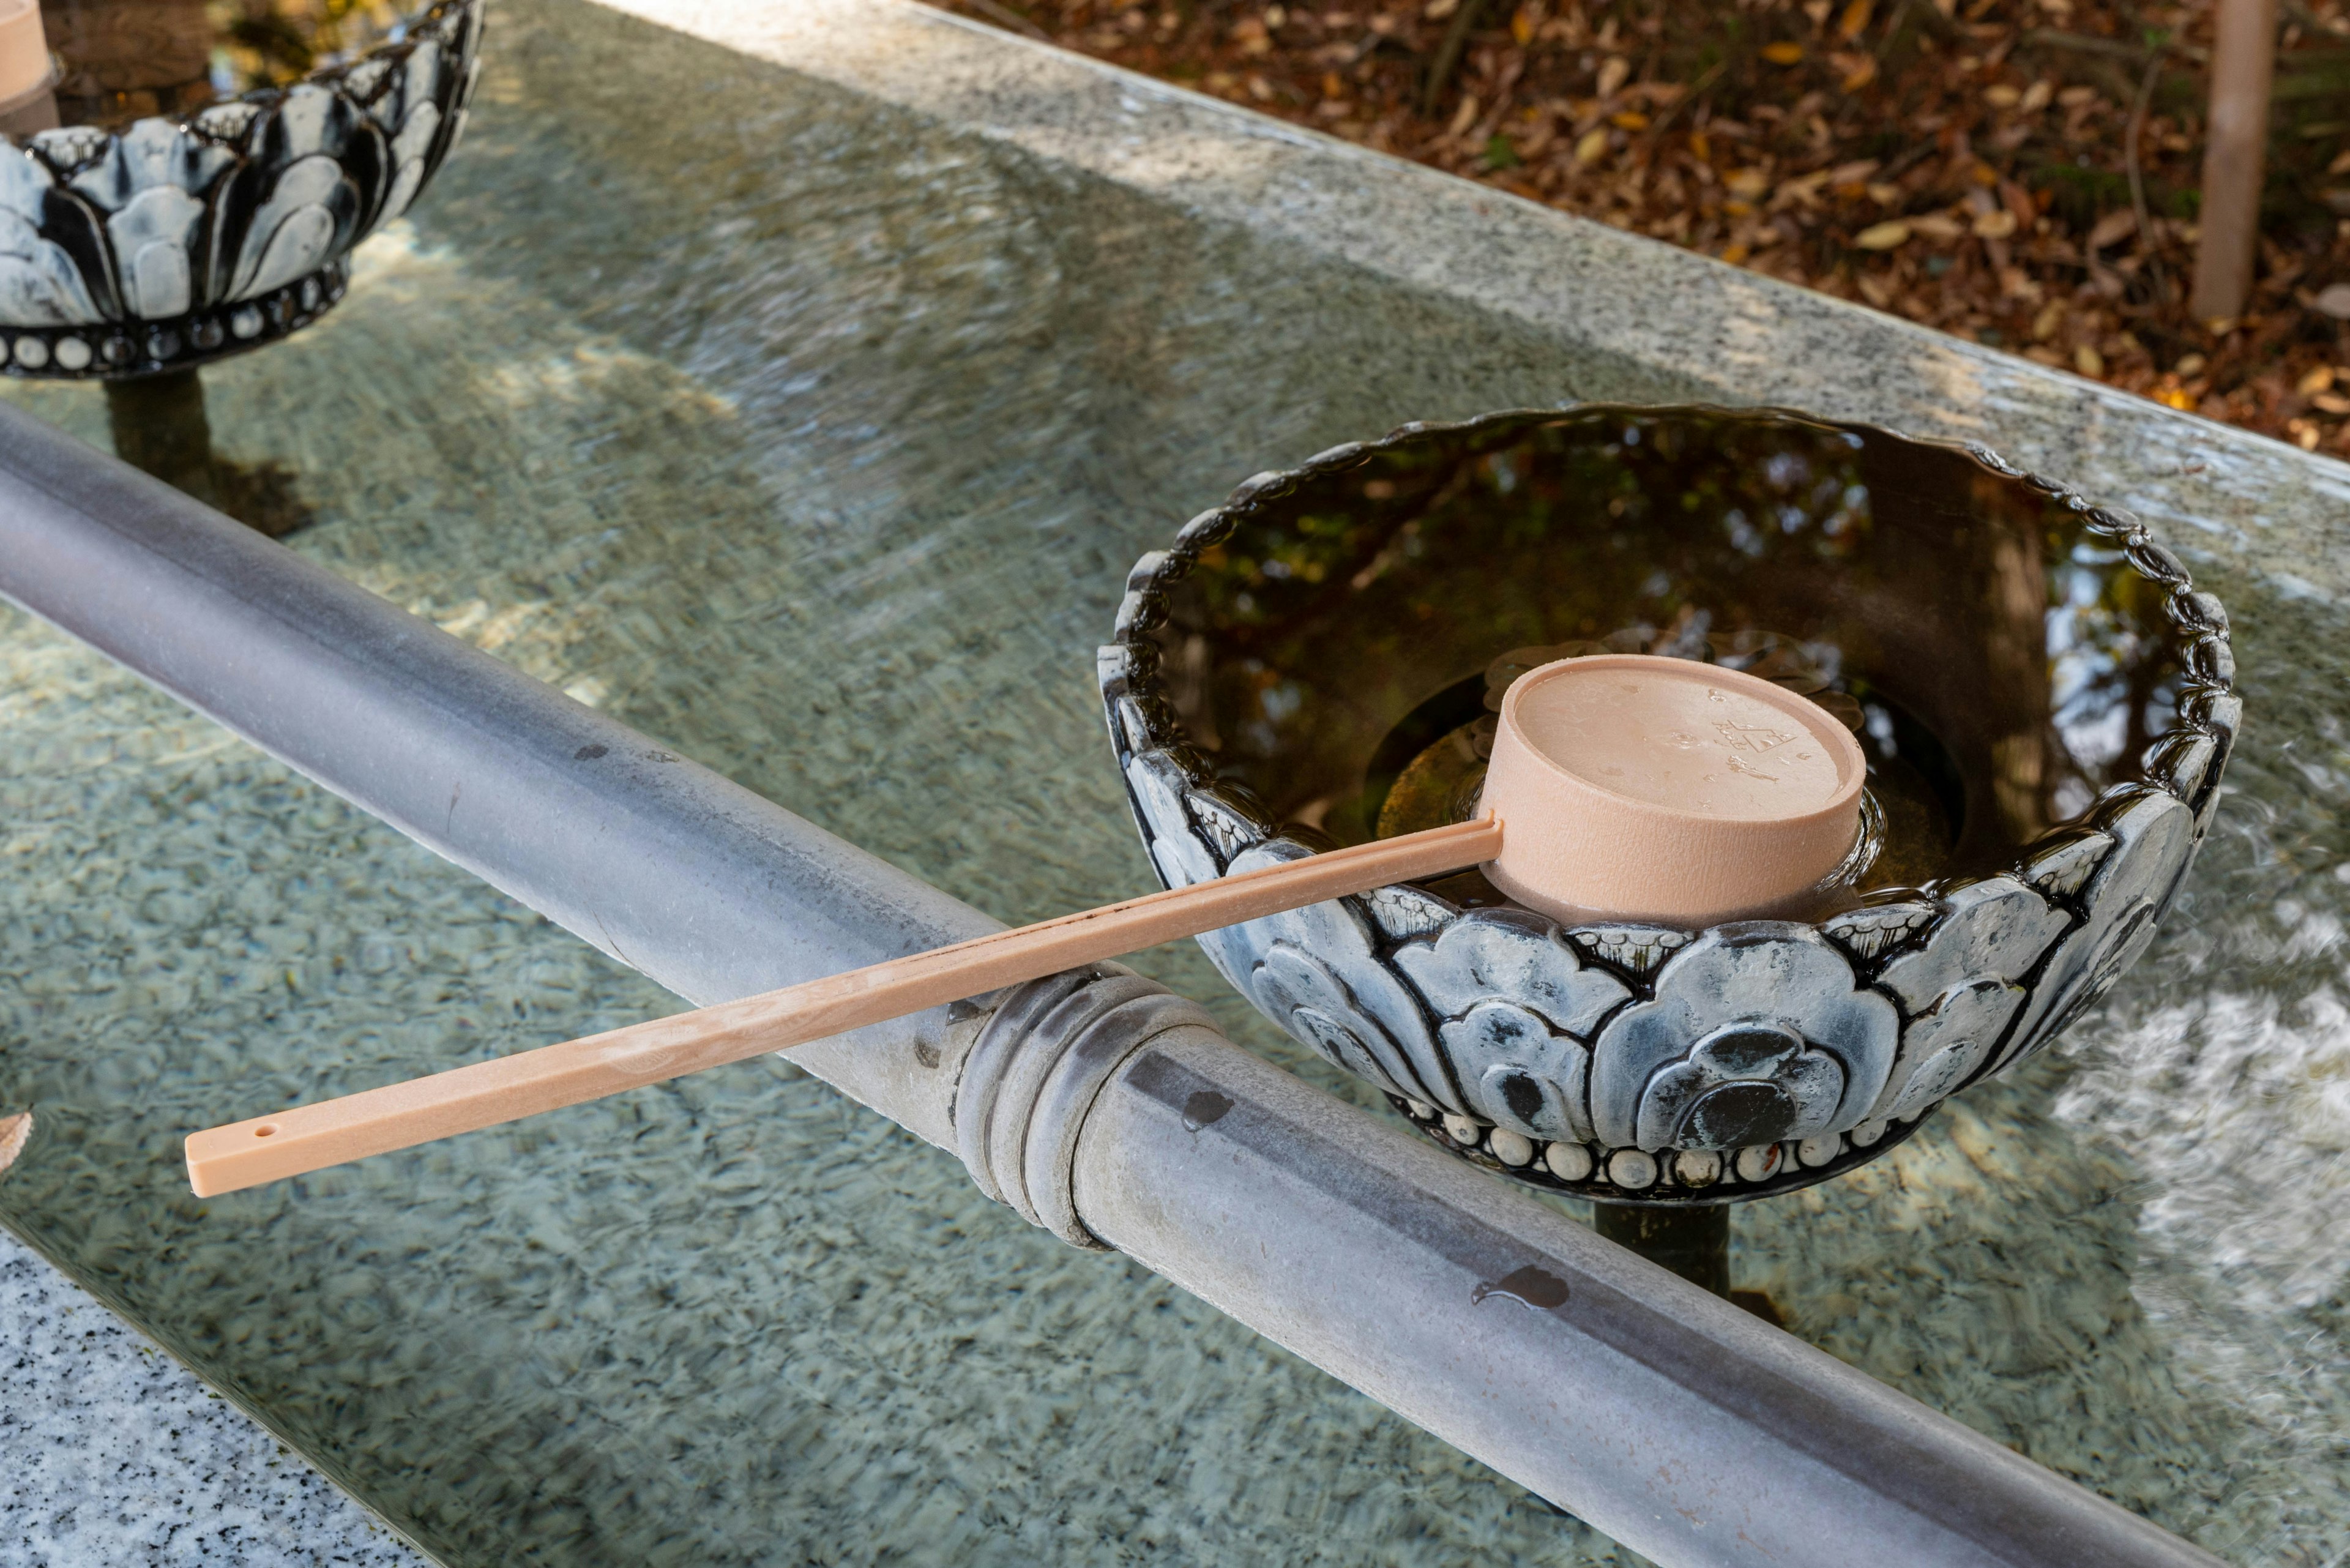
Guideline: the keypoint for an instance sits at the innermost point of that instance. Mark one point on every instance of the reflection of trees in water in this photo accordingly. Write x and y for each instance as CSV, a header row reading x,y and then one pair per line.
x,y
2112,688
2015,653
1572,524
1341,605
124,60
274,43
1301,634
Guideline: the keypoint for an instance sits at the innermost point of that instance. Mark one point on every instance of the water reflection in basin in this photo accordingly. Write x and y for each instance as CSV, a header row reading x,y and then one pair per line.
x,y
2002,660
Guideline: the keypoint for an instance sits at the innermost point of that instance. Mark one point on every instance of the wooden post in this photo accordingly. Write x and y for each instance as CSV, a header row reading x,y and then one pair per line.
x,y
2243,58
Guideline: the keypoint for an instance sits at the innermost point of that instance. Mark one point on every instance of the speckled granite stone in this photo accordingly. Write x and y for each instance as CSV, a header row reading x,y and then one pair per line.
x,y
114,1453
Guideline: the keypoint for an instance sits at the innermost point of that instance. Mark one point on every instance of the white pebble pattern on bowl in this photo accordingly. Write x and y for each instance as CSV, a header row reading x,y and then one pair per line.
x,y
1632,1168
1681,1176
1511,1148
1568,1161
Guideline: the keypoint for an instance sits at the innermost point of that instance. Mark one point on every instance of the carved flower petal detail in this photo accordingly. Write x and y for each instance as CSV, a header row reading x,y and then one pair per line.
x,y
1514,956
2153,841
1300,991
1316,972
1942,1050
1962,988
172,222
1744,1084
1516,1073
152,155
1994,927
1178,852
1873,931
312,212
1516,995
1757,1031
39,284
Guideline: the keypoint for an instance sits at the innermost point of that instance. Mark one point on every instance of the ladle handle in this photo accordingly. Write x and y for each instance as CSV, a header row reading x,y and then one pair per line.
x,y
399,1115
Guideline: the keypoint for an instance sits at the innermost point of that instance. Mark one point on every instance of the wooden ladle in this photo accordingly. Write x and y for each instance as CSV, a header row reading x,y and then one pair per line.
x,y
1621,786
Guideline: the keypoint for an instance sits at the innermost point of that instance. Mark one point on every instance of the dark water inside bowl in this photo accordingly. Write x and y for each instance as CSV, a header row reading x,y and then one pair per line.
x,y
120,61
1999,658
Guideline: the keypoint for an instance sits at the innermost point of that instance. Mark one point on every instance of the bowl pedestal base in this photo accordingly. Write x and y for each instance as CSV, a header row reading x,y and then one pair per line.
x,y
160,426
1692,1241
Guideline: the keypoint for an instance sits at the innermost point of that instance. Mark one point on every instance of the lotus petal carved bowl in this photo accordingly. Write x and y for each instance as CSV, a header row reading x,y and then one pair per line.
x,y
2045,700
171,243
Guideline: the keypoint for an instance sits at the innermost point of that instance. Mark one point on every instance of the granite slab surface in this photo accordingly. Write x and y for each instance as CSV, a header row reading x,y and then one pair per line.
x,y
116,1454
1649,322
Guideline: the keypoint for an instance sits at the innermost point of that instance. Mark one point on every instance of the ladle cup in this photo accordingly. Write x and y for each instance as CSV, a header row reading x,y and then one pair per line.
x,y
1621,786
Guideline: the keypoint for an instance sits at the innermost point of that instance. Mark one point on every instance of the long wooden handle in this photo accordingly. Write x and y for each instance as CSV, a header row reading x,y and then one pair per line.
x,y
399,1115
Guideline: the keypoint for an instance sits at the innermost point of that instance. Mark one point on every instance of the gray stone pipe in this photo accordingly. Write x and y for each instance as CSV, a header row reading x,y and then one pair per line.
x,y
1095,1103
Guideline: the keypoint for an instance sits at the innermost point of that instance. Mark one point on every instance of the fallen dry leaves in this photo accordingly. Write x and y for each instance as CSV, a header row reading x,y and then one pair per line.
x,y
2023,174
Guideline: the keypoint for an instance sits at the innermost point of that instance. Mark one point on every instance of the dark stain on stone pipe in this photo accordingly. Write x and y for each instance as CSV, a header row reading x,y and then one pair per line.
x,y
1203,1107
1536,1289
